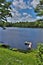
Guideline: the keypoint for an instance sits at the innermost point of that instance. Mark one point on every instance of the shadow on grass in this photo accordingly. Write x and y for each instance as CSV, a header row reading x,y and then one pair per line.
x,y
4,46
22,51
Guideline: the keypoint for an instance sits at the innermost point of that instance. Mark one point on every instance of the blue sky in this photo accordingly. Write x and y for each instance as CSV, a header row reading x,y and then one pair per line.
x,y
23,10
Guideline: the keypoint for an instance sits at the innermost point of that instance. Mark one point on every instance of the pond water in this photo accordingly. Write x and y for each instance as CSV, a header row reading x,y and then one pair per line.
x,y
15,37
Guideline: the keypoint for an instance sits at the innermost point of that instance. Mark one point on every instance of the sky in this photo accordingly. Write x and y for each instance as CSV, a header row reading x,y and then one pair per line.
x,y
23,10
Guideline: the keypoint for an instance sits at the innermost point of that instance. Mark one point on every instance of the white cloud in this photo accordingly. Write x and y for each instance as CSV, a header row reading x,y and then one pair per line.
x,y
15,12
39,17
17,18
25,14
20,4
27,19
34,3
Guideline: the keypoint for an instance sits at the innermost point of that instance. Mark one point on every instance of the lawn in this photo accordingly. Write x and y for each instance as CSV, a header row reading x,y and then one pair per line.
x,y
9,57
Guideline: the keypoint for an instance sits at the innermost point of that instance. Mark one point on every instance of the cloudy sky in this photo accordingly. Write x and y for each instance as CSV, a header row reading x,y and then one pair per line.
x,y
23,10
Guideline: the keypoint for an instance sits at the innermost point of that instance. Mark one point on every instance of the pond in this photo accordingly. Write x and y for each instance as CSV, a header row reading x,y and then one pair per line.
x,y
15,37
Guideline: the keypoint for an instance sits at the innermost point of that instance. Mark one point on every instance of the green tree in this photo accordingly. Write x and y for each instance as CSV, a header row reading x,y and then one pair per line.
x,y
39,8
40,55
4,10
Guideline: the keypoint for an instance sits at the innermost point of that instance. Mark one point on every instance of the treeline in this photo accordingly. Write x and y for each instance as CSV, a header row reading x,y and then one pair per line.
x,y
37,24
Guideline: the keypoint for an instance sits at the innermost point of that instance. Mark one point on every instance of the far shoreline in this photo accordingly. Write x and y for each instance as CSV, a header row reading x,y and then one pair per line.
x,y
25,27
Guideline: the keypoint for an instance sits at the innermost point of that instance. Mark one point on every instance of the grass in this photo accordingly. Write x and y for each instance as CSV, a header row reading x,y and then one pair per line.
x,y
9,57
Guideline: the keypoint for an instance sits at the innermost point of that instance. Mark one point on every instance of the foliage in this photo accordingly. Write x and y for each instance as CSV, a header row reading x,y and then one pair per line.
x,y
37,24
4,10
39,8
40,54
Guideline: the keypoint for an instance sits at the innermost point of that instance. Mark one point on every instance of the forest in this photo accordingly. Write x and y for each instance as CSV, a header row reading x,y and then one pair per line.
x,y
37,24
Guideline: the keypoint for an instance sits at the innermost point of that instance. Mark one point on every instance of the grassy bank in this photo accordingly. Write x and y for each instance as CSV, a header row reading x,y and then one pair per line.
x,y
9,57
18,57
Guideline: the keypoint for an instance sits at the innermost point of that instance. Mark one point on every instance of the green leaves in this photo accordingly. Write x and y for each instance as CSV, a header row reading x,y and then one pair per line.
x,y
4,10
40,13
40,54
39,8
41,2
1,1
